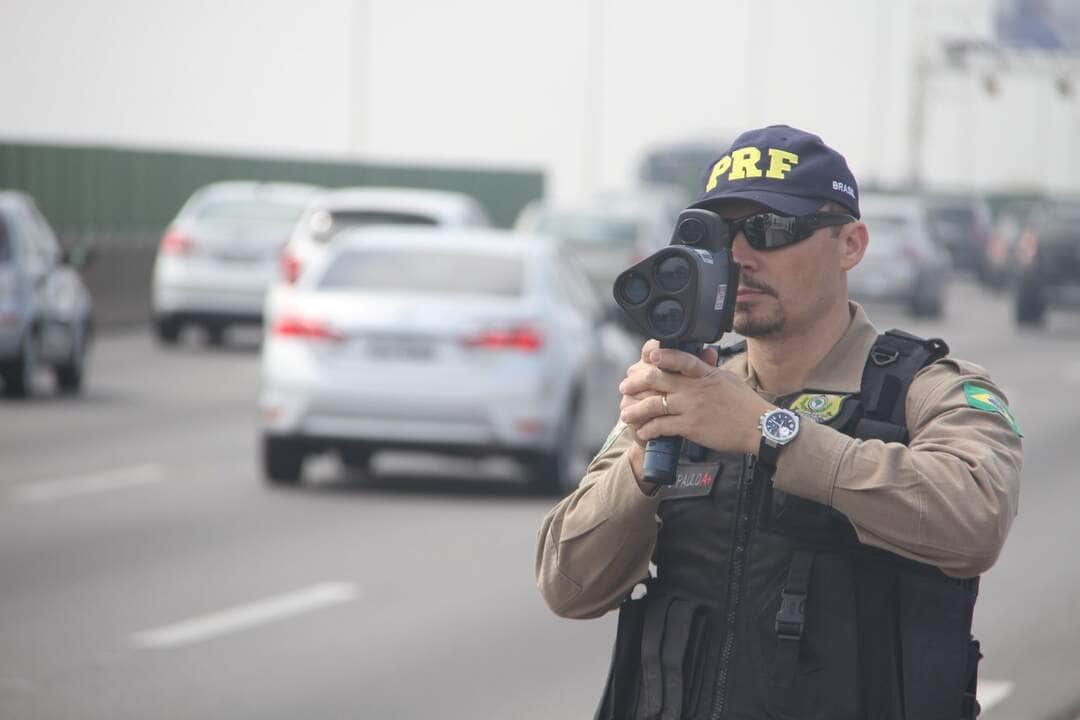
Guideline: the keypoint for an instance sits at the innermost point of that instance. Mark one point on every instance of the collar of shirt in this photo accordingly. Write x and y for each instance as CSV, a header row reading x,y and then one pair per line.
x,y
839,371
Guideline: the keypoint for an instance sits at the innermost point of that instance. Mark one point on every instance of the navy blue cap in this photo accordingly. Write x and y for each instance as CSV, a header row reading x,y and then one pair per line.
x,y
785,169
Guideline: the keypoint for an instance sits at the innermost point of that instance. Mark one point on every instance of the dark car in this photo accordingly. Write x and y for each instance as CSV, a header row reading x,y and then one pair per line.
x,y
960,225
1048,261
999,267
45,309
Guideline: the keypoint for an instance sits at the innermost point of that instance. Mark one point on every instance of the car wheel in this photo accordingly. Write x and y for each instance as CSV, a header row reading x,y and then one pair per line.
x,y
926,305
553,472
1030,303
356,459
69,375
927,298
283,459
167,330
215,335
18,373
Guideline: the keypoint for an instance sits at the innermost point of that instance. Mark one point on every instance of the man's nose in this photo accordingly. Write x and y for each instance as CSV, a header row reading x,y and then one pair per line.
x,y
742,252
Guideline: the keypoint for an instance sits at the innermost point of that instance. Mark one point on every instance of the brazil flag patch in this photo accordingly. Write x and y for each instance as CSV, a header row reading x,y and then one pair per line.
x,y
982,399
820,407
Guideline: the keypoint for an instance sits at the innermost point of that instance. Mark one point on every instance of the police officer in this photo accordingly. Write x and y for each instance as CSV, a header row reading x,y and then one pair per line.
x,y
840,492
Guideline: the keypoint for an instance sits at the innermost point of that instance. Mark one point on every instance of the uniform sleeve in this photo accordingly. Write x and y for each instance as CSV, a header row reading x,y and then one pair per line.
x,y
596,544
948,498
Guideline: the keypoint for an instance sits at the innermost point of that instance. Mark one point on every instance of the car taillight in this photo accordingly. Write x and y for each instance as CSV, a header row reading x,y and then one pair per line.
x,y
997,248
175,242
302,328
523,338
290,267
1027,247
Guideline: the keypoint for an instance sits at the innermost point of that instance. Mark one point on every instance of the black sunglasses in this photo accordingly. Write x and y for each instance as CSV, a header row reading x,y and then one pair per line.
x,y
769,231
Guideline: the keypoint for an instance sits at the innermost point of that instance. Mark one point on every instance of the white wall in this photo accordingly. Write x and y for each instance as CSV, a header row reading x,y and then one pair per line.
x,y
237,74
576,87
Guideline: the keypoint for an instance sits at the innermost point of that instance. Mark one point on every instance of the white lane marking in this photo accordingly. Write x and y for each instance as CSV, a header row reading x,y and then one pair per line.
x,y
45,491
991,692
247,616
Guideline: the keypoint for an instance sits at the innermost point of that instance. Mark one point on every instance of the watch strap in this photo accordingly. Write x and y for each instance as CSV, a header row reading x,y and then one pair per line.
x,y
768,454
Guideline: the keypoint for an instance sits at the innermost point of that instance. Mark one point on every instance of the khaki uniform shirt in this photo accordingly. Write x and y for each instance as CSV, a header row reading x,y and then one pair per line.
x,y
946,499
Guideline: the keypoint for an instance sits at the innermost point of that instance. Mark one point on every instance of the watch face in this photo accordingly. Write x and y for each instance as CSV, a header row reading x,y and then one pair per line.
x,y
781,425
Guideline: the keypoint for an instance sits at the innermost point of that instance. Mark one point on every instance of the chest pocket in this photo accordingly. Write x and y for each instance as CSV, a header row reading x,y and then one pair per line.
x,y
811,522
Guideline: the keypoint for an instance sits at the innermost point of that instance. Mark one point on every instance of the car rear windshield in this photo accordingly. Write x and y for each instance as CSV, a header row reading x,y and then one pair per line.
x,y
950,222
1060,220
589,229
357,218
439,272
249,211
1064,214
325,224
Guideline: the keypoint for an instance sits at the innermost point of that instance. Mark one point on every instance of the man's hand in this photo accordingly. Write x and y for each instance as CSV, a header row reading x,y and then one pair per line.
x,y
710,406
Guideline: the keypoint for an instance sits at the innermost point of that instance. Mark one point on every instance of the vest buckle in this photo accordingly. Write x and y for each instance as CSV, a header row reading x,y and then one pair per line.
x,y
882,356
791,617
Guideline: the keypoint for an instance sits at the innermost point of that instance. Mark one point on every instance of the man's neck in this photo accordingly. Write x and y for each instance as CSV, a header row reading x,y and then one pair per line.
x,y
784,363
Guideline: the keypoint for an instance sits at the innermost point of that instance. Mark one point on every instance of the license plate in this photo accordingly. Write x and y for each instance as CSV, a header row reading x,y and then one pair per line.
x,y
401,350
237,257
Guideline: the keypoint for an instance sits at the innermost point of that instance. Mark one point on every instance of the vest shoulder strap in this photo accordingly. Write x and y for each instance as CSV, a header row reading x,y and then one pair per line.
x,y
893,361
727,351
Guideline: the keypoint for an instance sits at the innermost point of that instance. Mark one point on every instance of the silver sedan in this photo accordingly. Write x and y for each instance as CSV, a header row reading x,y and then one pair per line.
x,y
902,263
463,341
220,255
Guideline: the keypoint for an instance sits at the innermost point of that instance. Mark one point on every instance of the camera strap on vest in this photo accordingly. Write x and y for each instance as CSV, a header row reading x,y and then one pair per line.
x,y
892,363
791,618
726,351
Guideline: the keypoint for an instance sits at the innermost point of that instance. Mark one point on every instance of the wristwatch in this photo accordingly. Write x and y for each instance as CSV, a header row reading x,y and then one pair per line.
x,y
778,428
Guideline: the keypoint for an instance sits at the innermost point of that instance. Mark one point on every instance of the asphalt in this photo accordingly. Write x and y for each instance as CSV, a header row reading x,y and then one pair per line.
x,y
146,571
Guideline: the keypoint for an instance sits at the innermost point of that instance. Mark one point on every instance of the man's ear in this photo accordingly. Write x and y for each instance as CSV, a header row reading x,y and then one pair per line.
x,y
853,241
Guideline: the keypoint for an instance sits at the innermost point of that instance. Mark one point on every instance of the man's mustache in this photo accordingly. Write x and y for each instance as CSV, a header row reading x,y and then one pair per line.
x,y
755,284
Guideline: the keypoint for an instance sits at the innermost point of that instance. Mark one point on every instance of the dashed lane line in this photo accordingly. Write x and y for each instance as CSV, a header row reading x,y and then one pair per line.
x,y
46,491
243,617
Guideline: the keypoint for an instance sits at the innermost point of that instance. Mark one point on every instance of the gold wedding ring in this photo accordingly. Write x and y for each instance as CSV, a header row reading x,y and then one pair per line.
x,y
663,399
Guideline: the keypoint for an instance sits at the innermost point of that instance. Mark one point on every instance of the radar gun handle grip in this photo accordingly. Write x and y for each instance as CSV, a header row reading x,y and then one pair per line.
x,y
662,453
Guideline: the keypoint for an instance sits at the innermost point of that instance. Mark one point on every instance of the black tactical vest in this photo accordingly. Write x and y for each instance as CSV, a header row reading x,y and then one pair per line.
x,y
765,605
